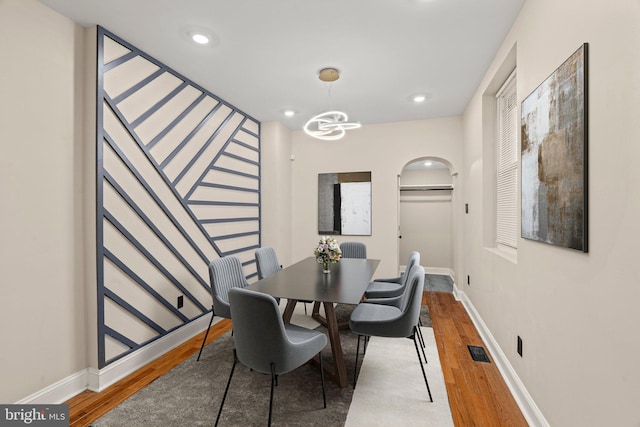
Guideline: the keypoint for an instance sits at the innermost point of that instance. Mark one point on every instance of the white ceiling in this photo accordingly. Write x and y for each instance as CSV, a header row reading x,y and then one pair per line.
x,y
268,52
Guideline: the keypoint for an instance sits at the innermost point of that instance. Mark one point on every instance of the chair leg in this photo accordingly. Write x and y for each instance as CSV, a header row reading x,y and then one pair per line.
x,y
324,395
420,333
205,335
420,338
273,380
423,352
422,344
224,397
415,342
355,370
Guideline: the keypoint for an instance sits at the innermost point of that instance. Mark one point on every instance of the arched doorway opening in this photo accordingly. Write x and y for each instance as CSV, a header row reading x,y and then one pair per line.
x,y
426,214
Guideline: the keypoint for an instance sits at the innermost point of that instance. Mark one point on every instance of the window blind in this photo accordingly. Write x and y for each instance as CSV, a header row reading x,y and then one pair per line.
x,y
507,165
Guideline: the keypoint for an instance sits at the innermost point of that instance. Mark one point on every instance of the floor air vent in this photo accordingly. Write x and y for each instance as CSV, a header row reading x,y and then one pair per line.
x,y
478,354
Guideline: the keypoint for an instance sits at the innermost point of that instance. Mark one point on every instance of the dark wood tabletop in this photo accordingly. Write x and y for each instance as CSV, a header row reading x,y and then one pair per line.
x,y
304,280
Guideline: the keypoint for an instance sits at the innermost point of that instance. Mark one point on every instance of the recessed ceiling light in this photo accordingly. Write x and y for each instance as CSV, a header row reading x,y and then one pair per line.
x,y
200,38
419,98
289,113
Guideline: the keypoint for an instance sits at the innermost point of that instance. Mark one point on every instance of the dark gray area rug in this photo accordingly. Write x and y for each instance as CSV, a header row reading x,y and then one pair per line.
x,y
438,283
190,394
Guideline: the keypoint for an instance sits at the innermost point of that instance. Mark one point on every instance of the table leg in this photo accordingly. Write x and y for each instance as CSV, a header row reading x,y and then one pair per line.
x,y
340,374
315,315
288,310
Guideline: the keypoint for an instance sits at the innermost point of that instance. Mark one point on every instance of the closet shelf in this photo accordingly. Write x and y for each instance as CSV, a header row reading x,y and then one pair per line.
x,y
431,187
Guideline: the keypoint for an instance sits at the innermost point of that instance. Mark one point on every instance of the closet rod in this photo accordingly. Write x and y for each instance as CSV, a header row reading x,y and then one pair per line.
x,y
426,188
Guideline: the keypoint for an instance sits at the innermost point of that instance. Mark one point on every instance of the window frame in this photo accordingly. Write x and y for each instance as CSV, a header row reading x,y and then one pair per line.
x,y
507,166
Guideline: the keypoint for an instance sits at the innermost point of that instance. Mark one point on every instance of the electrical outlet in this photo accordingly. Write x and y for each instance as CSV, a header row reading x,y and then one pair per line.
x,y
519,346
180,301
468,280
466,208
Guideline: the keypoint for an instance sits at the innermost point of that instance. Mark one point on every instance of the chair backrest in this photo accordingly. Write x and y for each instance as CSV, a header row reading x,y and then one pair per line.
x,y
403,323
266,261
353,250
414,259
225,273
258,331
411,299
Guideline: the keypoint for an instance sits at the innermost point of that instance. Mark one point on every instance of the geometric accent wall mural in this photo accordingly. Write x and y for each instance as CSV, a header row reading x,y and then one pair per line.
x,y
178,185
555,157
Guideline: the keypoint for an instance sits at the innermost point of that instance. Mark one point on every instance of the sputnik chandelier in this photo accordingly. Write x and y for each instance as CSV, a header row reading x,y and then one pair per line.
x,y
330,125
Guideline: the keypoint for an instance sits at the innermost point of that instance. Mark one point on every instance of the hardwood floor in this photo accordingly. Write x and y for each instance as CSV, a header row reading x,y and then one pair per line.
x,y
477,393
478,396
88,406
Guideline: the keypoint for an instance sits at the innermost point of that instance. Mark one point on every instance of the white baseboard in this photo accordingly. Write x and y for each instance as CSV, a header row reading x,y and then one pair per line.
x,y
457,292
527,405
99,379
58,392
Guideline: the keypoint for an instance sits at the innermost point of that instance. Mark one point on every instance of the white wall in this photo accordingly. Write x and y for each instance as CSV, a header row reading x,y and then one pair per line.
x,y
275,198
577,313
43,323
426,176
383,149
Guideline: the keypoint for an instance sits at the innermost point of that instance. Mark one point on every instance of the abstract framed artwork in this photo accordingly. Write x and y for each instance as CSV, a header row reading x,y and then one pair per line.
x,y
554,157
344,203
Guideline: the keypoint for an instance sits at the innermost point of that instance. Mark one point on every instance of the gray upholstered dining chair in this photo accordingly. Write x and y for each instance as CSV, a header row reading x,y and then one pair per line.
x,y
264,343
387,288
392,317
224,273
266,262
353,250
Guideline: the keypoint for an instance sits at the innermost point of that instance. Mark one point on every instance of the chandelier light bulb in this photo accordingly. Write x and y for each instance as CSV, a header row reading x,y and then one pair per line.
x,y
329,126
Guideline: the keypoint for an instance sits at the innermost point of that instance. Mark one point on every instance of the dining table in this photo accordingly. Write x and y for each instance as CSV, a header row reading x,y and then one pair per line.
x,y
345,283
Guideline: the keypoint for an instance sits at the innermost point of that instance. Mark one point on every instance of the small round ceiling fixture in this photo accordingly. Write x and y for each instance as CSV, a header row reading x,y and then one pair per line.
x,y
289,113
329,74
419,98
